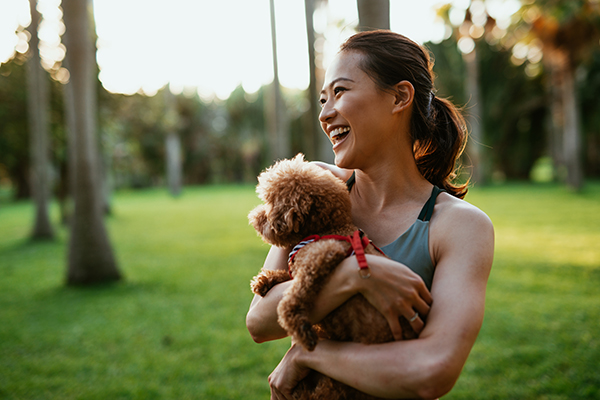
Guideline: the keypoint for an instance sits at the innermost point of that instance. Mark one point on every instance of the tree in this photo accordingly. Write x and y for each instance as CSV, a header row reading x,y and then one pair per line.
x,y
38,110
373,14
317,145
468,33
279,138
90,255
512,122
172,144
568,31
14,141
313,127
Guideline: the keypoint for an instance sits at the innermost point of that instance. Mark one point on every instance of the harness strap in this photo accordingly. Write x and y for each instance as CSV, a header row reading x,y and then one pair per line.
x,y
358,242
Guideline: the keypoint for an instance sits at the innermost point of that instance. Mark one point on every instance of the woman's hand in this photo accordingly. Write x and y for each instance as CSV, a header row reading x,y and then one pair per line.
x,y
395,291
288,373
261,319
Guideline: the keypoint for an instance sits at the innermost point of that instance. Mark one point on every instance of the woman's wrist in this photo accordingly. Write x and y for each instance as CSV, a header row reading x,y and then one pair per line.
x,y
357,279
350,277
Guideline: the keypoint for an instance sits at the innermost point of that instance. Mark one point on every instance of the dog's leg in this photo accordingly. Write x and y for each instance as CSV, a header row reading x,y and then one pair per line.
x,y
268,278
313,266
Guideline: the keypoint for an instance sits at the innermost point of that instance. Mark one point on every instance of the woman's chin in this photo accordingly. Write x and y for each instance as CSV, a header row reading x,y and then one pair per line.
x,y
341,161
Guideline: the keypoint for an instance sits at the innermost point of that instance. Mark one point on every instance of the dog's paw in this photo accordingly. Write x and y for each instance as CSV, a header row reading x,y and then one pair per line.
x,y
307,336
260,285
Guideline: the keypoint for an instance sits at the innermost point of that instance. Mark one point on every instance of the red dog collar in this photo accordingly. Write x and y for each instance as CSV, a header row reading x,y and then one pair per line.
x,y
358,241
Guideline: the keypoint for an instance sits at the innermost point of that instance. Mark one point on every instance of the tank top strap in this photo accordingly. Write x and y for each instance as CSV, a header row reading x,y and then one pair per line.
x,y
350,181
427,210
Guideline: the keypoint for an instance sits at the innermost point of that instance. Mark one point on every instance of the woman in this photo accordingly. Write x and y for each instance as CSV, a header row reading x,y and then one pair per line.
x,y
394,142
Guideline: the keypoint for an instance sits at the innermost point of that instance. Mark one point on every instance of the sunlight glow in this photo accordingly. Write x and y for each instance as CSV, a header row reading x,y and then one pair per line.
x,y
211,47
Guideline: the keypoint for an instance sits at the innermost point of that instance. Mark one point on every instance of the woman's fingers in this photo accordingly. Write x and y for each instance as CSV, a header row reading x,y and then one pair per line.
x,y
395,327
415,321
421,307
425,294
277,395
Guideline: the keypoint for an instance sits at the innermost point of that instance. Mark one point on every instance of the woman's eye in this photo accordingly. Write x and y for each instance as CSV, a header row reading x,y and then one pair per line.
x,y
322,101
338,90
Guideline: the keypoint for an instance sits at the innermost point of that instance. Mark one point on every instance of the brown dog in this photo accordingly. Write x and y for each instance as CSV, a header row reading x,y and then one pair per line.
x,y
303,201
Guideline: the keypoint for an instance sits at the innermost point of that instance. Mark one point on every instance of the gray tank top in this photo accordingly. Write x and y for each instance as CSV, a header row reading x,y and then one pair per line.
x,y
412,247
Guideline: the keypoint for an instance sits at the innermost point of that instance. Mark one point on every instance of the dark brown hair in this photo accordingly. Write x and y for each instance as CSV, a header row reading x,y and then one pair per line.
x,y
438,130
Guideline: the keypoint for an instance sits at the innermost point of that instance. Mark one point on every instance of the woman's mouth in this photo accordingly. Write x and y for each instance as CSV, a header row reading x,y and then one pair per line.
x,y
338,135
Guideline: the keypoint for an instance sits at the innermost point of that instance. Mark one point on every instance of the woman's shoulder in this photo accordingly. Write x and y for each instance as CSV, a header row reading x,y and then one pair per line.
x,y
457,223
452,210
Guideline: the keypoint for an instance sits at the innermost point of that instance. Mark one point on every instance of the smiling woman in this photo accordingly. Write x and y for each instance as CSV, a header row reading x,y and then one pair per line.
x,y
399,142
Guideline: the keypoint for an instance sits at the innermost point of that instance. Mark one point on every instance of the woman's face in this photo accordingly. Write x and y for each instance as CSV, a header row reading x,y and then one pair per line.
x,y
356,115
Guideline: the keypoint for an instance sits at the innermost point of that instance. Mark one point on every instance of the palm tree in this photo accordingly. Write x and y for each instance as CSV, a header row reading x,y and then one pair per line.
x,y
317,143
172,144
313,127
373,14
473,94
38,109
276,118
568,30
90,256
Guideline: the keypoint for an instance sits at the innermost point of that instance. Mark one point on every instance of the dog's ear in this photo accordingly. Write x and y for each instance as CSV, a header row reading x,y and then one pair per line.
x,y
294,219
270,233
258,218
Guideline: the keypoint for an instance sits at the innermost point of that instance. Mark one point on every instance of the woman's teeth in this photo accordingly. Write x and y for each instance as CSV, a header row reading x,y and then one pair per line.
x,y
339,133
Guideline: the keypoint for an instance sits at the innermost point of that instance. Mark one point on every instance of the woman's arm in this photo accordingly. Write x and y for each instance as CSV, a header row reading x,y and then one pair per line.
x,y
429,366
261,319
392,288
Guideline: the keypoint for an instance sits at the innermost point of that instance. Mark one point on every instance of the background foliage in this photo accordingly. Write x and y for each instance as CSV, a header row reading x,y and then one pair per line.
x,y
225,141
174,329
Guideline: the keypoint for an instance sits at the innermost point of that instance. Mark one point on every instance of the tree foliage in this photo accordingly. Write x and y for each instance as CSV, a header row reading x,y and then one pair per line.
x,y
226,141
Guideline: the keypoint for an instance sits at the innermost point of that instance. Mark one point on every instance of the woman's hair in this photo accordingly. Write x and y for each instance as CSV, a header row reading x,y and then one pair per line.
x,y
438,130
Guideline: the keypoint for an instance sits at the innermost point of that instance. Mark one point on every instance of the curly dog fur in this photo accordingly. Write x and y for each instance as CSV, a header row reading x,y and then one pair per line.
x,y
301,199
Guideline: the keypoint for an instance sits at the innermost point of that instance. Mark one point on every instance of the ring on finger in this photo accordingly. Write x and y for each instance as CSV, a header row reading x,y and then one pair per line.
x,y
414,317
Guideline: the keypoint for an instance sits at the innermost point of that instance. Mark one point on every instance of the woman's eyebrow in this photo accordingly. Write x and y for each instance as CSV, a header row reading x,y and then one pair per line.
x,y
333,82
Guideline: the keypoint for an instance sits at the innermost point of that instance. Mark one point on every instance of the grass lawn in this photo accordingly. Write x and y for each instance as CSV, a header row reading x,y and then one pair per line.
x,y
174,328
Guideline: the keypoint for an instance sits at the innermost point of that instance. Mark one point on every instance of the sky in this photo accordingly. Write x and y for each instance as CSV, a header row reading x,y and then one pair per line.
x,y
211,46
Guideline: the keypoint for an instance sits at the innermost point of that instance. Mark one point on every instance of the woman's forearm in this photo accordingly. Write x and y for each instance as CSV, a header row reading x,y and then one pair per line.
x,y
261,319
344,283
337,290
394,370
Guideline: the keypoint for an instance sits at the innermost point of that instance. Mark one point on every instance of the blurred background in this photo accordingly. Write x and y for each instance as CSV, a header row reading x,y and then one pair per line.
x,y
194,85
131,135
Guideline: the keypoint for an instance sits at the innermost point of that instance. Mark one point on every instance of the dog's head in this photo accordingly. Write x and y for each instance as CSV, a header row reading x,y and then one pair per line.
x,y
299,199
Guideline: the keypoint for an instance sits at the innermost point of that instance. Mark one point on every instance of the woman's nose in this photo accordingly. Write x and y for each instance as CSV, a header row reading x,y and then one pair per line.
x,y
327,112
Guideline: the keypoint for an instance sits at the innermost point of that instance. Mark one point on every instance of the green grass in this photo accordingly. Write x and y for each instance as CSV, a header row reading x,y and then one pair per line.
x,y
174,328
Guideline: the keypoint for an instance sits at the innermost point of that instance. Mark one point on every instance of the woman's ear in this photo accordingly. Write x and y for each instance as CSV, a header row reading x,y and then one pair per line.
x,y
404,95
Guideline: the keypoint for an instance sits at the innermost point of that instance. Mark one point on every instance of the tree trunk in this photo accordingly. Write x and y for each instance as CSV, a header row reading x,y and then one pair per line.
x,y
312,127
373,14
173,153
555,118
90,257
474,116
70,125
566,129
279,137
38,110
572,136
172,145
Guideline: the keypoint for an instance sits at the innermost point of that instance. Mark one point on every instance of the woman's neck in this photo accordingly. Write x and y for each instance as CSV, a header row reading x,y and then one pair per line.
x,y
395,181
